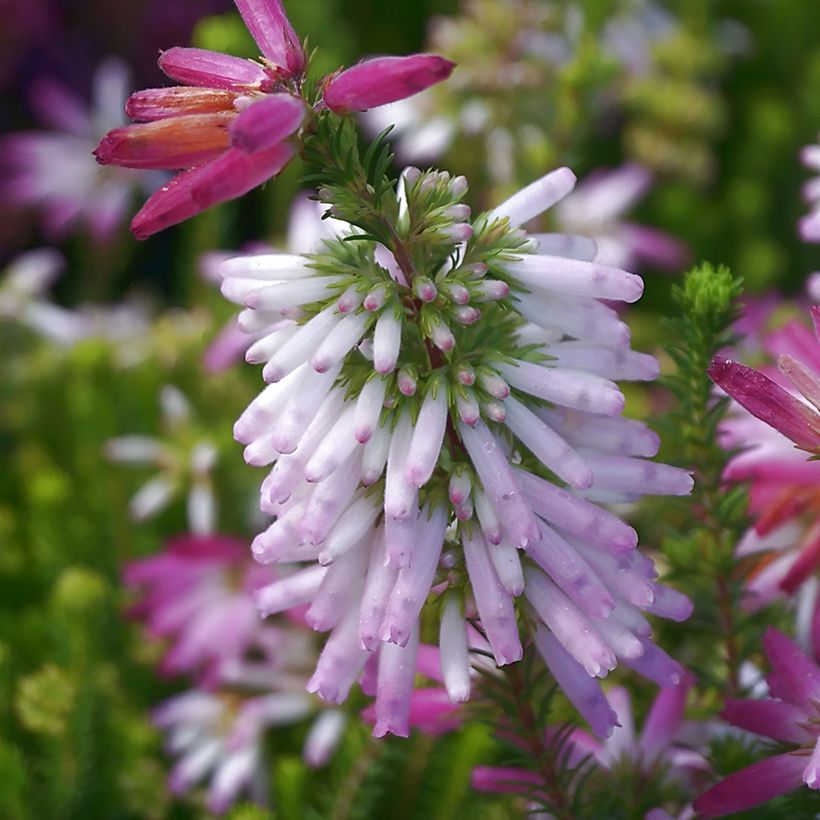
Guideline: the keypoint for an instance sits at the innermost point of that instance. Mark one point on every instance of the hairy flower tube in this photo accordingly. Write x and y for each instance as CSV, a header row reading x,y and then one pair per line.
x,y
789,716
784,483
441,416
227,127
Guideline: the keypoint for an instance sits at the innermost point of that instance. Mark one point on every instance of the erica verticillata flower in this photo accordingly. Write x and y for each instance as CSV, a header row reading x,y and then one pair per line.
x,y
227,126
447,419
809,225
54,172
184,458
789,716
784,489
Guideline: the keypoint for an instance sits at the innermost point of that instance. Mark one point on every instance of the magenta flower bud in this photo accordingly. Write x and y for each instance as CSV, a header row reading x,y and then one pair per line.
x,y
424,289
467,315
457,292
465,374
376,298
441,335
383,80
269,26
467,407
493,383
769,402
490,290
406,381
267,122
159,103
460,487
210,69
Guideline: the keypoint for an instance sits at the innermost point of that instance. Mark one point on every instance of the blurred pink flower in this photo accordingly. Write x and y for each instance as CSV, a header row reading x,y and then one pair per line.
x,y
788,716
54,171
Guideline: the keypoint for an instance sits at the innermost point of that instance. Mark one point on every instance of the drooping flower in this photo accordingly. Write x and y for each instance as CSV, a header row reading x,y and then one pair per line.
x,y
227,127
784,483
658,750
412,419
185,460
54,171
198,596
788,716
809,225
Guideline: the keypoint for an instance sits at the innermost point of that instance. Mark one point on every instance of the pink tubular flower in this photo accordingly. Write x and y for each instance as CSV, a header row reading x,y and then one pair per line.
x,y
228,126
198,595
657,746
769,402
53,171
809,225
428,480
789,717
785,485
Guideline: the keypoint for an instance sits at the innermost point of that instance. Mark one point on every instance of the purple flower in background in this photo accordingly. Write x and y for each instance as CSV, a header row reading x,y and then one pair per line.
x,y
789,716
54,171
595,209
380,505
185,458
198,594
809,225
227,126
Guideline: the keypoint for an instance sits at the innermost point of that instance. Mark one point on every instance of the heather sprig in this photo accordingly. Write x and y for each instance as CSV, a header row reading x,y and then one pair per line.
x,y
702,556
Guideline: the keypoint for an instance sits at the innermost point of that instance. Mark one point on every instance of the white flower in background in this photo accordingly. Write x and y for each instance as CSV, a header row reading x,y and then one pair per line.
x,y
185,462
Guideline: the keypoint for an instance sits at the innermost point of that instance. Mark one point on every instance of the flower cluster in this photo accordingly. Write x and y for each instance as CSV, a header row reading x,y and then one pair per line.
x,y
421,406
228,126
197,596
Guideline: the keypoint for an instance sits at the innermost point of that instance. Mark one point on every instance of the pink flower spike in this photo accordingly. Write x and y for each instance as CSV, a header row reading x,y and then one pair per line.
x,y
768,401
210,69
384,80
269,26
267,122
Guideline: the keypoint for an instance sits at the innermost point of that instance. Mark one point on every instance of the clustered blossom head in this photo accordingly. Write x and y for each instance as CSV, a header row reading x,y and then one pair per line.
x,y
788,716
658,751
185,460
443,419
228,126
197,596
54,171
781,424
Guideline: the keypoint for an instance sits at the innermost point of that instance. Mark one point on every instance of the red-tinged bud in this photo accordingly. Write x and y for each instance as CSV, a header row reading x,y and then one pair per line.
x,y
269,26
161,103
